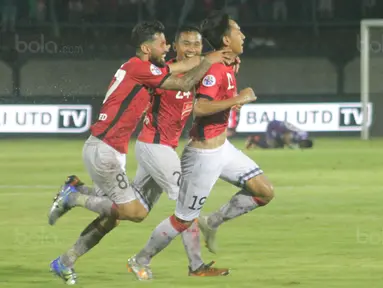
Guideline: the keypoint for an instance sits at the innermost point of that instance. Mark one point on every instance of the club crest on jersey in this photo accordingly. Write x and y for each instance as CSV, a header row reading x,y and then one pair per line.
x,y
186,109
208,81
155,70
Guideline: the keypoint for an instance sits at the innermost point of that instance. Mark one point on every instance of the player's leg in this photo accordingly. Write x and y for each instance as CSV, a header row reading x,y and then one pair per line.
x,y
200,170
107,169
62,266
92,234
89,238
256,191
163,173
162,164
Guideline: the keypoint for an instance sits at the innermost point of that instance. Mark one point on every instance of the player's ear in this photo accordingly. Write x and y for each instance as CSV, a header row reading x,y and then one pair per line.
x,y
226,40
174,47
145,48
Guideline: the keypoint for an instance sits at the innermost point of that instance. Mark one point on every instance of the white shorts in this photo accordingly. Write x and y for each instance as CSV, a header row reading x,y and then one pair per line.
x,y
106,167
201,168
159,169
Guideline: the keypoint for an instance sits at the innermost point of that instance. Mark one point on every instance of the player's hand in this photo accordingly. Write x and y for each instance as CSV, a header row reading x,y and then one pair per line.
x,y
221,56
246,96
236,65
237,107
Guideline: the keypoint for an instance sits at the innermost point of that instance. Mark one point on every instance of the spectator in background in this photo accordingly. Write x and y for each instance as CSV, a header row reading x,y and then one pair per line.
x,y
123,11
185,10
8,15
169,12
151,8
280,10
368,8
41,11
109,10
264,10
91,10
75,11
208,6
326,9
231,7
245,12
32,10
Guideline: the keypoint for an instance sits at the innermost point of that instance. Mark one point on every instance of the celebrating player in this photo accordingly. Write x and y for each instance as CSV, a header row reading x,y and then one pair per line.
x,y
104,152
159,168
280,134
209,155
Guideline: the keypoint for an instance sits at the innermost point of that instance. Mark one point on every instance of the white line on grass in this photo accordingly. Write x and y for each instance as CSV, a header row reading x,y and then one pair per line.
x,y
4,189
28,186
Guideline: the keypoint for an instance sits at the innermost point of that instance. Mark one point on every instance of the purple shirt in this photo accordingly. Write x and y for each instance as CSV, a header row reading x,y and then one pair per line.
x,y
276,129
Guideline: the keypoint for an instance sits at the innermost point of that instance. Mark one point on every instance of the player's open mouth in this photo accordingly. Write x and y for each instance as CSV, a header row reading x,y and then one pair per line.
x,y
189,55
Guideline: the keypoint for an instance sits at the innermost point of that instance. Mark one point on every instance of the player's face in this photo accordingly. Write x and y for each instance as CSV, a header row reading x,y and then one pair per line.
x,y
158,49
235,39
189,44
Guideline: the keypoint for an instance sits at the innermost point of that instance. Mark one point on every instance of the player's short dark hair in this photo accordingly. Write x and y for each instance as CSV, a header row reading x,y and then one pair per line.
x,y
145,31
307,143
186,29
215,27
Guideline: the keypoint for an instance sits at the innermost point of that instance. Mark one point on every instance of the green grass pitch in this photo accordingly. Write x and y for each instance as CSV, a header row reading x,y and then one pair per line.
x,y
324,228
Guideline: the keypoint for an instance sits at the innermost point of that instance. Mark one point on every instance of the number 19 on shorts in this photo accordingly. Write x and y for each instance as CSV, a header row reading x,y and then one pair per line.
x,y
197,203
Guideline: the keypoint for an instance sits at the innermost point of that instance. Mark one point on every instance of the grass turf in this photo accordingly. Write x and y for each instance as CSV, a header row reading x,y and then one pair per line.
x,y
323,229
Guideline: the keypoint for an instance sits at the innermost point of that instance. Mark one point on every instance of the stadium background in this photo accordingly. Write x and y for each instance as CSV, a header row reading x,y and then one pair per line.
x,y
62,52
324,227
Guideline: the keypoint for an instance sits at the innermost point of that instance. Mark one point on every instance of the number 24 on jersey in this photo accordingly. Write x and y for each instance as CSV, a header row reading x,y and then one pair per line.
x,y
182,95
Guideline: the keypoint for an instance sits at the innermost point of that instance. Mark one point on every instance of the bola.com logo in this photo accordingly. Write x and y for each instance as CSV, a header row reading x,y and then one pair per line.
x,y
41,45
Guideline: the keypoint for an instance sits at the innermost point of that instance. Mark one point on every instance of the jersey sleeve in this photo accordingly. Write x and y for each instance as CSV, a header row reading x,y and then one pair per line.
x,y
210,84
149,74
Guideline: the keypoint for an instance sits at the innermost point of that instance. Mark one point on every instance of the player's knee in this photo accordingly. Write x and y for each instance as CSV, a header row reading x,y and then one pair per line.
x,y
261,188
140,214
133,211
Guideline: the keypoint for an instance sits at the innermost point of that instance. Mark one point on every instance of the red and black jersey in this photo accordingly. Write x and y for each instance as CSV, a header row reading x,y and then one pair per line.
x,y
166,117
233,119
219,83
126,100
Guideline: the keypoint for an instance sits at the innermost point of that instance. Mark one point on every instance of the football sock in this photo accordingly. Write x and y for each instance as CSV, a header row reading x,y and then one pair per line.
x,y
161,237
89,238
241,203
191,241
86,190
101,205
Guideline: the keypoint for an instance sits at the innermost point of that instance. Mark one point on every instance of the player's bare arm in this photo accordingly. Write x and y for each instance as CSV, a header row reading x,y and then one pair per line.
x,y
191,78
190,63
185,65
205,107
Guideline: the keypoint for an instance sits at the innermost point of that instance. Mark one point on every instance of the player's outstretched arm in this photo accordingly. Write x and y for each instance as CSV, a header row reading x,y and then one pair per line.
x,y
190,63
185,65
206,107
191,78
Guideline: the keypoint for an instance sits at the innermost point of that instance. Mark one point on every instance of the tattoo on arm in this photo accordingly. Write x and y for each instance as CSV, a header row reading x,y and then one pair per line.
x,y
185,65
186,82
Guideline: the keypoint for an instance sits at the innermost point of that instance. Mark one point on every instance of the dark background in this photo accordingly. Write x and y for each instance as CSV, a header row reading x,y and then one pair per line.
x,y
61,51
